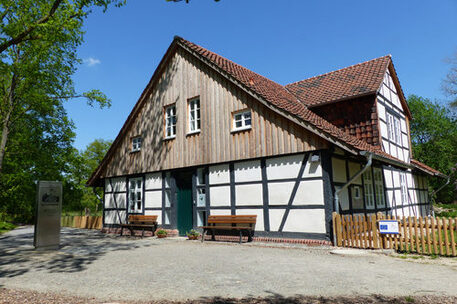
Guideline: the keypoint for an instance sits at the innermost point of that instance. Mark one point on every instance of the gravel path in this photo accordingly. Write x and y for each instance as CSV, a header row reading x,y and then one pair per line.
x,y
94,265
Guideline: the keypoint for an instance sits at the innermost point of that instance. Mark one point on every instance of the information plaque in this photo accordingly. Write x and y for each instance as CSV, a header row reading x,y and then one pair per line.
x,y
388,227
48,214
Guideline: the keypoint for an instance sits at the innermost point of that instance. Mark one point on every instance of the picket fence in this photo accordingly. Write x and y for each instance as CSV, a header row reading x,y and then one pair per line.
x,y
83,222
429,235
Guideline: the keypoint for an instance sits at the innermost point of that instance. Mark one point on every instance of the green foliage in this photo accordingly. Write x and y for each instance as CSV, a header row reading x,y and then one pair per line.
x,y
446,210
5,223
193,233
434,142
162,232
38,44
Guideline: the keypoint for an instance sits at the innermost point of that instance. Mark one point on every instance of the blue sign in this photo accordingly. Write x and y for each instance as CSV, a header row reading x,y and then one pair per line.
x,y
388,227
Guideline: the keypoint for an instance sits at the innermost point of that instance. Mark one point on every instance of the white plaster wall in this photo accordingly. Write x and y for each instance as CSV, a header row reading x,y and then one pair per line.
x,y
249,194
155,212
381,112
153,199
276,218
390,198
339,170
303,220
310,193
219,174
259,225
111,203
388,178
219,212
284,167
248,171
111,217
119,184
107,185
153,181
220,196
279,193
312,169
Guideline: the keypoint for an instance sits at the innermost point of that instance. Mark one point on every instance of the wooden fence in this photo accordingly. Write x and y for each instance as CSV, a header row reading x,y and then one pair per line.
x,y
83,222
427,235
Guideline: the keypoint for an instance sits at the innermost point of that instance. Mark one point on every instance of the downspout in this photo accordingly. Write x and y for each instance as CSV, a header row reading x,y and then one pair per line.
x,y
369,157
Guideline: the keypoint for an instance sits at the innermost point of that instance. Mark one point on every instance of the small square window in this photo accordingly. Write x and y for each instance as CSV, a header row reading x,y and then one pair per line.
x,y
136,144
242,120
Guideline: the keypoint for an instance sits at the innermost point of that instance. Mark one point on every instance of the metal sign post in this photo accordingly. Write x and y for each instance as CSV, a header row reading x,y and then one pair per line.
x,y
48,214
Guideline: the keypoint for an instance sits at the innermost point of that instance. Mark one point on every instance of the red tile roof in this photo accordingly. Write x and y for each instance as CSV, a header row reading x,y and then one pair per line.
x,y
357,80
424,167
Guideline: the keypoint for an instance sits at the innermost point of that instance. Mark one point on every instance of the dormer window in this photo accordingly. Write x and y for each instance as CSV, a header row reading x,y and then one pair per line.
x,y
242,120
170,122
194,115
136,144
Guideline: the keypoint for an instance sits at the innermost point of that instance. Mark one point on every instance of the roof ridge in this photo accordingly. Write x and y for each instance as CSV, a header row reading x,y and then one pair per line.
x,y
348,67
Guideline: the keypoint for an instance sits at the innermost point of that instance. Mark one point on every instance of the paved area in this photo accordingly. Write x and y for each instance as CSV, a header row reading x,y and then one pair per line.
x,y
91,264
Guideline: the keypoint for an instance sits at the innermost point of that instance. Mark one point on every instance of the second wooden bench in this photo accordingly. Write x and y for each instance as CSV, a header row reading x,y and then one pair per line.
x,y
230,225
142,222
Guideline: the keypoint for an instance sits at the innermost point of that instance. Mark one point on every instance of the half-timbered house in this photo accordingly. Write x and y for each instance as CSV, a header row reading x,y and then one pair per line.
x,y
208,136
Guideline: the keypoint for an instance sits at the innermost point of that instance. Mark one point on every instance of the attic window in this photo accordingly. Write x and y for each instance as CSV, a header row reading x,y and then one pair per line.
x,y
242,120
136,144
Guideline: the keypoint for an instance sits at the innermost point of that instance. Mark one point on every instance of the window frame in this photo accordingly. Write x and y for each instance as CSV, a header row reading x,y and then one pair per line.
x,y
137,209
379,188
136,147
243,120
196,122
368,190
403,188
393,128
168,119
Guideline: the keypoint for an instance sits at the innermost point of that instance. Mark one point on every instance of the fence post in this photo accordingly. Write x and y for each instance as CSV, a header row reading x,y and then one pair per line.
x,y
374,230
451,228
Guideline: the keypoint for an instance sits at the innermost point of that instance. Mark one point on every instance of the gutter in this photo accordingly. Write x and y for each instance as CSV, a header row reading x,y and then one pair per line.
x,y
369,156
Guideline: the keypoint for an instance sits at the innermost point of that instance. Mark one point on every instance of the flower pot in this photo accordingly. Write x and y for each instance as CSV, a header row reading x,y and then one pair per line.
x,y
161,236
192,237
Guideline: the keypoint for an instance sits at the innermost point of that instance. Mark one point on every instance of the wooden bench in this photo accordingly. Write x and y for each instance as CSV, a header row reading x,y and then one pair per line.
x,y
230,225
140,222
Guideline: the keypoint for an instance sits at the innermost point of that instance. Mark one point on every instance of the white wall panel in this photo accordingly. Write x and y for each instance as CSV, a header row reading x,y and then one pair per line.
x,y
259,225
249,194
153,199
284,167
303,220
155,212
108,187
279,193
119,184
112,217
310,193
381,110
112,199
339,170
153,181
388,178
219,212
220,196
219,174
276,218
248,171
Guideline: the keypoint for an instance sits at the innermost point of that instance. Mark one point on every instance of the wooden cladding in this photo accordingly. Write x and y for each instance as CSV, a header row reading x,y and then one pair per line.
x,y
429,235
186,77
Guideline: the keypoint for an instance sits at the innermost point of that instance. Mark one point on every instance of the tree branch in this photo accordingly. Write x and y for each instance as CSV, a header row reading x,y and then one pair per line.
x,y
23,35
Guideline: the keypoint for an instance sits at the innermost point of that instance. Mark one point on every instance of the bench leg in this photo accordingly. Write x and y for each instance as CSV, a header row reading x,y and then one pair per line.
x,y
142,233
213,236
203,235
122,229
249,236
241,236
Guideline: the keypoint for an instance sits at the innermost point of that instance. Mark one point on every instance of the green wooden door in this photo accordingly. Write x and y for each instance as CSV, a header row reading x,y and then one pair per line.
x,y
184,207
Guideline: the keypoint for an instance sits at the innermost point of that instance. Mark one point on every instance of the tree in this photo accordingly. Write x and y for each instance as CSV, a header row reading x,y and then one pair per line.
x,y
434,141
450,82
82,164
38,42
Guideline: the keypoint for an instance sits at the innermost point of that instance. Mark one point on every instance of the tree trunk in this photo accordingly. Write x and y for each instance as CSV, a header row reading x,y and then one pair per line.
x,y
6,120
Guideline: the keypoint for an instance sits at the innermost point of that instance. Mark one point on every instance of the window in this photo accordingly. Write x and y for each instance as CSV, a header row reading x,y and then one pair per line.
x,y
379,188
136,144
368,190
403,188
194,115
393,128
170,122
242,120
136,195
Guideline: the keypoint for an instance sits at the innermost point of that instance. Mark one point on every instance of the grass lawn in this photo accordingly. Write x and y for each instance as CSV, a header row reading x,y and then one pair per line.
x,y
6,226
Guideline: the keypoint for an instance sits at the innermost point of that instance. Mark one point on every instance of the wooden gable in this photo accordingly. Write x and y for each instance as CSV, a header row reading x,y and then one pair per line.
x,y
183,77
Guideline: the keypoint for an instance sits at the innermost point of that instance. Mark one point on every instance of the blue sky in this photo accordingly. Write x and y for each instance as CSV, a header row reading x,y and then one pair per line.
x,y
285,41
